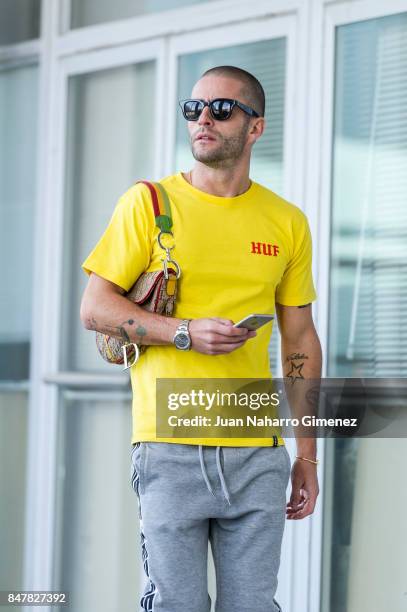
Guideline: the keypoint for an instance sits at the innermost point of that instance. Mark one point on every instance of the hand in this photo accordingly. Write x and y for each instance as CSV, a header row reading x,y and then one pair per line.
x,y
217,336
304,491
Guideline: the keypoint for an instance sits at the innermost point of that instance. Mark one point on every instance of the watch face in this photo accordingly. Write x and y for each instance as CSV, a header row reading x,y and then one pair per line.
x,y
182,341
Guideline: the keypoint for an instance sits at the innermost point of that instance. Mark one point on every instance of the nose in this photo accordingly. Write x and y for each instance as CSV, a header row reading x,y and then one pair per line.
x,y
205,117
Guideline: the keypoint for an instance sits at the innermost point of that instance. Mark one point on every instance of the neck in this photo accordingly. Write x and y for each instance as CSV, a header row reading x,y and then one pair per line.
x,y
223,182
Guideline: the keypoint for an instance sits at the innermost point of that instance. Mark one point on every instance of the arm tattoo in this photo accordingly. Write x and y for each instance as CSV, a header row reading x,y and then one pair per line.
x,y
123,334
296,363
140,331
120,330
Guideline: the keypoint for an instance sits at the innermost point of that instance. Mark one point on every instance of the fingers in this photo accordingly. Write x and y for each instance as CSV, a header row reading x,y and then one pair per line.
x,y
301,505
228,322
225,327
298,482
296,509
219,344
305,490
216,336
221,349
220,338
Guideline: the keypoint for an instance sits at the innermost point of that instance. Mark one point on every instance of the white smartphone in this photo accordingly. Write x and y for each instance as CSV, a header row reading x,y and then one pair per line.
x,y
254,321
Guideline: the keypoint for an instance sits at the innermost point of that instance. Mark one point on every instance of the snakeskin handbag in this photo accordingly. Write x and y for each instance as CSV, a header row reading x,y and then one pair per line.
x,y
154,291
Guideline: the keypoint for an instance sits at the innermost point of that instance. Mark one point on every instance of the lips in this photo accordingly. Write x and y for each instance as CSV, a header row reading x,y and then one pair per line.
x,y
204,138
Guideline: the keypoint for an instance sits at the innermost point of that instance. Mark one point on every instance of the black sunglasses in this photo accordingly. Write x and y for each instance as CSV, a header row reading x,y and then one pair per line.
x,y
220,108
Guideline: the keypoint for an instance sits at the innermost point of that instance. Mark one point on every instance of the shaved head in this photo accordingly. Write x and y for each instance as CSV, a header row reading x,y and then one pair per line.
x,y
251,87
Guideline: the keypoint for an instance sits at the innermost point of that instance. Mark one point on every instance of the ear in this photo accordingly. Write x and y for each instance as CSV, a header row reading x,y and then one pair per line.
x,y
257,128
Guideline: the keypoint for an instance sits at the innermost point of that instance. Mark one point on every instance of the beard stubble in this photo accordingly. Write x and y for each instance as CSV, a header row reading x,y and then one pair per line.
x,y
228,150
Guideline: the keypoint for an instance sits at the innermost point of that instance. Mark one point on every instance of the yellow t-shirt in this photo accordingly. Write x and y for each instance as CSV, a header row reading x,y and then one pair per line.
x,y
238,255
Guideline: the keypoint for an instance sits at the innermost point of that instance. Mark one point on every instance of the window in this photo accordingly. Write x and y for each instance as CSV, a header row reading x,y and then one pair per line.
x,y
18,141
103,160
91,12
20,21
368,306
109,147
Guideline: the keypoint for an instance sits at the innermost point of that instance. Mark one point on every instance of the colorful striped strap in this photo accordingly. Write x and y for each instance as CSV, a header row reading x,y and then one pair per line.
x,y
161,205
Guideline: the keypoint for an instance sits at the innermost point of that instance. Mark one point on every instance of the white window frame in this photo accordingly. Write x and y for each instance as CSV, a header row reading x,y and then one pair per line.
x,y
327,15
45,400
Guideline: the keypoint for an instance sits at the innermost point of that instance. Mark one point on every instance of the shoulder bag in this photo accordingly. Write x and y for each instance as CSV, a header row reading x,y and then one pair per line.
x,y
154,291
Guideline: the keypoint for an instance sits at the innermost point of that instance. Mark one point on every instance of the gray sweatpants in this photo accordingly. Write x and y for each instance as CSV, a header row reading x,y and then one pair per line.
x,y
233,496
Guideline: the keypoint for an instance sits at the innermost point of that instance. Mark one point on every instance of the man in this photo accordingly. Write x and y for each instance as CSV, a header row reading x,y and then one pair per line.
x,y
242,249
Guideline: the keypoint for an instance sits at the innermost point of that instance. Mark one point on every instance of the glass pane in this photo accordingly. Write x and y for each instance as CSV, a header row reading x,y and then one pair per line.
x,y
20,21
369,253
18,142
110,146
91,12
13,436
368,307
98,554
265,60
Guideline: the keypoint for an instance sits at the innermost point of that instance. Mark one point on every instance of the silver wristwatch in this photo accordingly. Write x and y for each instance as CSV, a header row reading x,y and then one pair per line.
x,y
182,339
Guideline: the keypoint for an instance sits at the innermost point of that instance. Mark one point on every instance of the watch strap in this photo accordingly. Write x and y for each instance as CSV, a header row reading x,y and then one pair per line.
x,y
183,326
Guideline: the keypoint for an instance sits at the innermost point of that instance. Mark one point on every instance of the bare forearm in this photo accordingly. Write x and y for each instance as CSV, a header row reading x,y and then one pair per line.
x,y
117,316
302,362
104,308
302,358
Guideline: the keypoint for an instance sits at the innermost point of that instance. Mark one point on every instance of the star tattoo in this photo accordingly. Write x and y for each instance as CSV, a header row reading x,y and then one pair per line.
x,y
295,372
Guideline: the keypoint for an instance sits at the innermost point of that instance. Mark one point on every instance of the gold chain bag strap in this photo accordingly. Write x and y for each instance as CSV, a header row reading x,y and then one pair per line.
x,y
153,291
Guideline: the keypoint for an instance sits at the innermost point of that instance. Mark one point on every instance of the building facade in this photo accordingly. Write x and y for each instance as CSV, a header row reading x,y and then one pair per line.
x,y
88,105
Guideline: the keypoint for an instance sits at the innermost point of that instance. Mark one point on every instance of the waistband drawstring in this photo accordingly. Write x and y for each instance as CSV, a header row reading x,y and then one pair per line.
x,y
203,470
219,468
222,478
